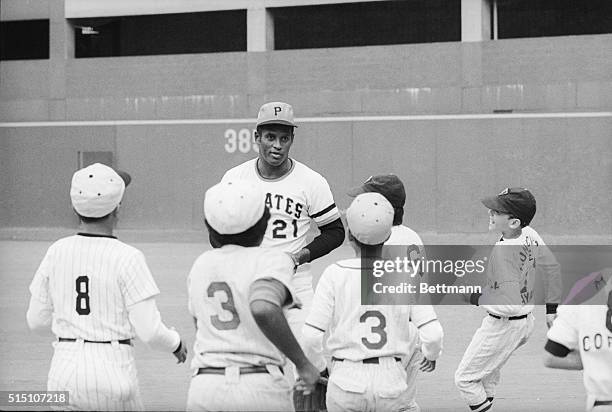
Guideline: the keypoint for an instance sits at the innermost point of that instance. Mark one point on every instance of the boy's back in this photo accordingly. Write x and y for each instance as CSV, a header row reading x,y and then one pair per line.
x,y
219,285
106,275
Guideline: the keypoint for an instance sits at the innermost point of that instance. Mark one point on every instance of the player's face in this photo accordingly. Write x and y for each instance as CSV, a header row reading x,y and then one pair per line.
x,y
274,144
500,221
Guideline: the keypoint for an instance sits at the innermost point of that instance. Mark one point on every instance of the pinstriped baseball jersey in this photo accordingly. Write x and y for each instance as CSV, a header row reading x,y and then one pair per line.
x,y
219,284
294,200
90,281
358,332
588,329
511,275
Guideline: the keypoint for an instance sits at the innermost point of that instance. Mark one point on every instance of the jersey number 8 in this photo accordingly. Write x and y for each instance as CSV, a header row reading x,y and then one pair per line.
x,y
82,297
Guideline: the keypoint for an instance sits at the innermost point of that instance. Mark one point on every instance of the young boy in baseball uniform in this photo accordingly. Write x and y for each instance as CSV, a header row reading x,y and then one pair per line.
x,y
369,342
238,293
508,296
581,338
97,294
296,196
392,188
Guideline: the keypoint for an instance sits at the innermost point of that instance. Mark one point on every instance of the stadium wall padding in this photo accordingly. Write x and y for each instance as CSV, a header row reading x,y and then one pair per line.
x,y
447,164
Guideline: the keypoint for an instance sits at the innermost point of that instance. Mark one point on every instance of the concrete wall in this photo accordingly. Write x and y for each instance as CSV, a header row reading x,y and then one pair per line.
x,y
447,167
447,164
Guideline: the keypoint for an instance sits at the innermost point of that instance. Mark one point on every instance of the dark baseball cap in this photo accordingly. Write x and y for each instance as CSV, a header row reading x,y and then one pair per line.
x,y
388,185
515,201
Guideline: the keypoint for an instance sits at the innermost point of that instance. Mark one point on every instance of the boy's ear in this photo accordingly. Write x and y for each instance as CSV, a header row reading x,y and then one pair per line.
x,y
514,223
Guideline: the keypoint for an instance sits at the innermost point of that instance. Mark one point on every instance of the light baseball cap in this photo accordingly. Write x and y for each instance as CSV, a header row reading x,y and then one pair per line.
x,y
370,218
275,113
233,206
97,190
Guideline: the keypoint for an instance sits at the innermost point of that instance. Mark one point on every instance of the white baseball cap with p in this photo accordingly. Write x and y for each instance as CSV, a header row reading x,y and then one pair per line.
x,y
97,190
370,218
275,113
233,206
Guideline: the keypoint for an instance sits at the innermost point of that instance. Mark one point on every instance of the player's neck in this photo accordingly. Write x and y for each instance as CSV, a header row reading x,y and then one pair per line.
x,y
268,171
104,228
512,233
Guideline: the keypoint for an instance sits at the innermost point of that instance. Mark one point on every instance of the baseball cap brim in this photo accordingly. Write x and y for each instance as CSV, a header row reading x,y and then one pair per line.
x,y
356,191
275,121
125,176
494,203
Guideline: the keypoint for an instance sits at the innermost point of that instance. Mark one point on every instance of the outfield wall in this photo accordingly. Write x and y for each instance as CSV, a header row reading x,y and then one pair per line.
x,y
448,163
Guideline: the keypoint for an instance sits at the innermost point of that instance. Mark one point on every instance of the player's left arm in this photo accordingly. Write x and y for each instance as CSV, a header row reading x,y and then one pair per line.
x,y
323,210
331,237
553,284
561,349
40,309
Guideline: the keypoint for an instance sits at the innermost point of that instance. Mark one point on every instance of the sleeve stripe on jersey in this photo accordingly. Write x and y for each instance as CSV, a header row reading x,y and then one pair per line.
x,y
429,321
313,326
324,211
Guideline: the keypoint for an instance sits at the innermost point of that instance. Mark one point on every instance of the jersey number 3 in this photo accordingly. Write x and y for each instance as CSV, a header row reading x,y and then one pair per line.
x,y
227,305
379,330
82,297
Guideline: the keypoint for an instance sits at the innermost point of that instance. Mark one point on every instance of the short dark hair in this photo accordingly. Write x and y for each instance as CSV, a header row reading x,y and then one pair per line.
x,y
275,126
253,236
86,219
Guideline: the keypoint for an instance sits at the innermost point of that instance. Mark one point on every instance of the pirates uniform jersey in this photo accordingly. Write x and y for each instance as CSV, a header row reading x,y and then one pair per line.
x,y
294,199
90,280
219,285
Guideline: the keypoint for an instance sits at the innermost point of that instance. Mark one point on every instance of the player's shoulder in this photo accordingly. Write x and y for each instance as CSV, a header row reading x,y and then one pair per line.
x,y
302,170
403,235
530,232
344,267
242,170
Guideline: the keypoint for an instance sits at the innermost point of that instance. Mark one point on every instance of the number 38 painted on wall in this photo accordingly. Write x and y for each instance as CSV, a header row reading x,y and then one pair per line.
x,y
242,140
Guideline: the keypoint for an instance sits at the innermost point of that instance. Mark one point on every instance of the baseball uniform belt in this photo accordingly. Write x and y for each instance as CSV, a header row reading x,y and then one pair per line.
x,y
367,360
243,371
122,341
602,403
511,317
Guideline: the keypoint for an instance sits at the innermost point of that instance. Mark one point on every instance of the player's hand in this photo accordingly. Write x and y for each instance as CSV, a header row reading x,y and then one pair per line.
x,y
308,376
180,353
550,318
427,365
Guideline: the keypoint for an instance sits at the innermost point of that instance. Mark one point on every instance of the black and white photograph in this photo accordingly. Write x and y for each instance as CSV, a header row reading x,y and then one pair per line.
x,y
306,205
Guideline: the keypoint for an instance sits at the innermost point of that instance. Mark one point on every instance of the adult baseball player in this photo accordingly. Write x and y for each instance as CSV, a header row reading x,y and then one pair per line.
x,y
508,297
392,188
237,293
368,342
295,195
97,294
581,338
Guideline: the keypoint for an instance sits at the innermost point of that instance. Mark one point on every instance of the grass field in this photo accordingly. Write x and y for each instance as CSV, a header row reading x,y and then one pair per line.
x,y
25,358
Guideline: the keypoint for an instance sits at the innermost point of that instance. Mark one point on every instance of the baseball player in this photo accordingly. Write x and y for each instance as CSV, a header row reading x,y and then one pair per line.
x,y
507,296
97,294
295,195
392,188
237,293
369,342
581,338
